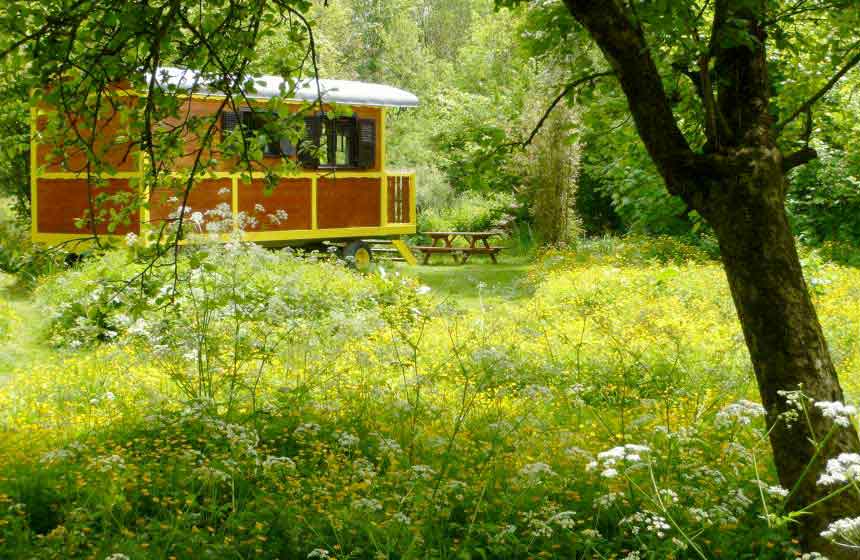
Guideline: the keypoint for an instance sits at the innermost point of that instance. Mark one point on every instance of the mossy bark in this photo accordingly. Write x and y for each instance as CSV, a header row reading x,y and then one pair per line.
x,y
785,340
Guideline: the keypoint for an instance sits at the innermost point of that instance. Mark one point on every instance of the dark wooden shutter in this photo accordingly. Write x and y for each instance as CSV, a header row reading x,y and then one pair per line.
x,y
347,127
311,142
229,121
366,143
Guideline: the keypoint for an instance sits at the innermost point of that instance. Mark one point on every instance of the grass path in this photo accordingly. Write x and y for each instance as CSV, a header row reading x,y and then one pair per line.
x,y
24,347
477,283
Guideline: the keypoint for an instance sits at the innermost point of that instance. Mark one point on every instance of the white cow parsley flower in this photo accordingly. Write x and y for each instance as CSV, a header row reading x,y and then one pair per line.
x,y
367,504
347,440
841,470
622,456
741,413
840,413
845,532
536,471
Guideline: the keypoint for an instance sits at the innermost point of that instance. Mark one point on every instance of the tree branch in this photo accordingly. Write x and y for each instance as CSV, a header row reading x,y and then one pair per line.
x,y
620,38
564,93
798,158
852,62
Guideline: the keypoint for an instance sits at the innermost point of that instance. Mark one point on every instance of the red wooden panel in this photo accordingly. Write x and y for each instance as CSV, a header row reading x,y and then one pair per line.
x,y
292,196
111,143
343,203
204,196
60,202
398,200
197,109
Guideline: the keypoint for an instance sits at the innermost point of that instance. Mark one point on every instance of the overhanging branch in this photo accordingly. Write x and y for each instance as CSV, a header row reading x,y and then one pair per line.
x,y
804,107
801,156
564,93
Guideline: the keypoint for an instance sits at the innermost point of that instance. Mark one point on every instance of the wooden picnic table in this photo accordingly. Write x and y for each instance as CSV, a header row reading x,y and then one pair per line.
x,y
443,242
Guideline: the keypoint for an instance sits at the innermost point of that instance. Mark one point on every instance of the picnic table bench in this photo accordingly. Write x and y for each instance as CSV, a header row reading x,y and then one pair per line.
x,y
443,243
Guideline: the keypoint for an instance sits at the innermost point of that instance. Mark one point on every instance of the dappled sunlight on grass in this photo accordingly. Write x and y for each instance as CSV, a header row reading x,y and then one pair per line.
x,y
476,282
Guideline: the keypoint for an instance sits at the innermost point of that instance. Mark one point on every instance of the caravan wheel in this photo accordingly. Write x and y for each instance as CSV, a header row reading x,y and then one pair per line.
x,y
358,255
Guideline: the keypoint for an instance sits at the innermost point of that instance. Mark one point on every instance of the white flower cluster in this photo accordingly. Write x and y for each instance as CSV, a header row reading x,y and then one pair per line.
x,y
777,491
55,455
605,500
320,553
389,446
740,413
117,556
841,470
363,470
347,440
538,392
648,521
240,438
564,519
424,472
576,393
211,475
536,471
307,429
367,504
272,462
845,532
108,463
278,217
838,412
623,455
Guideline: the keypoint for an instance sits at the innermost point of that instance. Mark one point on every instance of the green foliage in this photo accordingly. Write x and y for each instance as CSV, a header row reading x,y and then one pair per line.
x,y
18,254
469,212
213,285
594,206
15,141
824,202
94,301
472,158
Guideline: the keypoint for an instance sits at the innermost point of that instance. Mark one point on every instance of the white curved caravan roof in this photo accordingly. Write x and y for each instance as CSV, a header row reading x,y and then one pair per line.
x,y
333,91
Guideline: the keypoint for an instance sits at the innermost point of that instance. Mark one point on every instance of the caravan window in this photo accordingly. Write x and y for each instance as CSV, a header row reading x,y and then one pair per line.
x,y
253,122
340,143
344,142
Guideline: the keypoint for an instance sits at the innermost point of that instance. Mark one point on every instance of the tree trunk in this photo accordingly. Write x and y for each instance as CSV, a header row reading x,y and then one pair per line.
x,y
738,185
784,337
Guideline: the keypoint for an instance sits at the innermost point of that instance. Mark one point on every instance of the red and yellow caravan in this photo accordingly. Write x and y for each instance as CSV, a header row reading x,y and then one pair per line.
x,y
342,193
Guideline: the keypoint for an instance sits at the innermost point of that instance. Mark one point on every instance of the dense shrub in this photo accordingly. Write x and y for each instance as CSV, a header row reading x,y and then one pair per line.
x,y
594,206
18,254
824,199
469,212
9,320
105,297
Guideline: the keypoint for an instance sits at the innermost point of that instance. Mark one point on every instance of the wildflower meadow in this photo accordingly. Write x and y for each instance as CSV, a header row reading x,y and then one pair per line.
x,y
601,405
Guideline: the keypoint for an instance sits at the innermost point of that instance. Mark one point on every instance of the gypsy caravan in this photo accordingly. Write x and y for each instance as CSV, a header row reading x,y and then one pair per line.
x,y
341,192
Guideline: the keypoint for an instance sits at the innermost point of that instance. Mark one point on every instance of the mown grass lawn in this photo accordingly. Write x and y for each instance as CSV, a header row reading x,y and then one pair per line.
x,y
589,404
477,283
